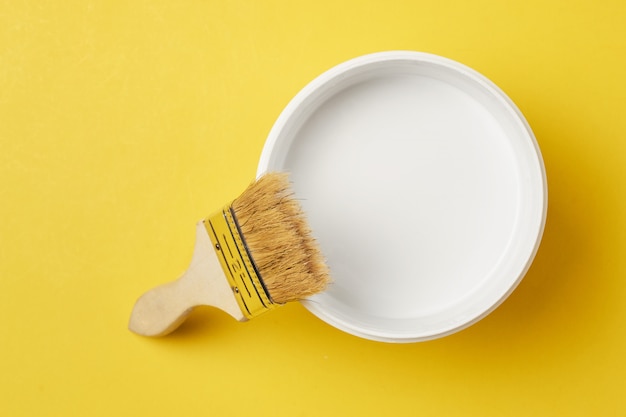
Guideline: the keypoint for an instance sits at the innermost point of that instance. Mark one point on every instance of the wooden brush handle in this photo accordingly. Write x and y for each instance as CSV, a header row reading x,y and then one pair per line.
x,y
162,309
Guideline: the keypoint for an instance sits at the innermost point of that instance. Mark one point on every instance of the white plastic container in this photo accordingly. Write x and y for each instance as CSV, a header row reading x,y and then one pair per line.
x,y
424,185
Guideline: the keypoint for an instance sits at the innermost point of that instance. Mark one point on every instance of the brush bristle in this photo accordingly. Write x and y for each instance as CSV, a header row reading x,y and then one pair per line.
x,y
279,240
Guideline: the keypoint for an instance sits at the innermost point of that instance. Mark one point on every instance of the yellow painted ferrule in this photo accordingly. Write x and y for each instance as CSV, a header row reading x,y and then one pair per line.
x,y
239,268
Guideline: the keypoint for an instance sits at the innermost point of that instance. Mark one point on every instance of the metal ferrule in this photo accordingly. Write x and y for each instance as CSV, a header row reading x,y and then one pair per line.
x,y
237,263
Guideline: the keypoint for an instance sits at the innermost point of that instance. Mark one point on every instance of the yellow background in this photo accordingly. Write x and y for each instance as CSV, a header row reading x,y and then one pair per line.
x,y
122,123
